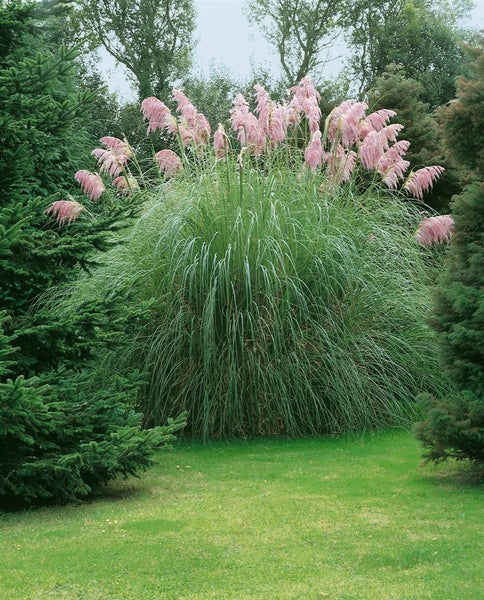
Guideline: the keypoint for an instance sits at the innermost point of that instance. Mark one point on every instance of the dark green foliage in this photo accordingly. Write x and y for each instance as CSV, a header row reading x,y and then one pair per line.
x,y
421,37
459,315
463,120
454,426
64,442
43,140
61,436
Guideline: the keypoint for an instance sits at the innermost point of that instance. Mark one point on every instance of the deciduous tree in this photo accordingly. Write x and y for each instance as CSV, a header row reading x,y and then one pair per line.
x,y
419,36
153,39
299,30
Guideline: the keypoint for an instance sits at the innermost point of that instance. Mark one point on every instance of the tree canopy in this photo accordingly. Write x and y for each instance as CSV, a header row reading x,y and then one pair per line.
x,y
421,37
153,39
299,30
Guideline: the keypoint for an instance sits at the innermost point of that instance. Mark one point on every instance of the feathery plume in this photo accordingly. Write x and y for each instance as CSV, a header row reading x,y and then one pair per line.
x,y
392,166
343,122
193,126
91,183
421,181
314,151
126,185
169,163
220,142
305,100
249,131
109,161
375,121
116,146
376,143
434,230
65,210
156,112
341,162
273,117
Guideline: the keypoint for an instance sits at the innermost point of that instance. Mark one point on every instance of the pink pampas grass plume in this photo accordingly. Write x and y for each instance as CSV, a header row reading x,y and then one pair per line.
x,y
434,230
306,100
91,183
156,112
250,133
126,185
341,162
109,161
376,143
193,125
65,210
343,122
116,146
375,121
392,166
220,142
169,163
314,152
421,181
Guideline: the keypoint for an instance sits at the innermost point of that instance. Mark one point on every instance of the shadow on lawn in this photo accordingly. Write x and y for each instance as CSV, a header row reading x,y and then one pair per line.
x,y
454,475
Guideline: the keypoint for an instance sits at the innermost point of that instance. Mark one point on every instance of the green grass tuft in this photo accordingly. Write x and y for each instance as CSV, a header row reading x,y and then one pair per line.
x,y
274,308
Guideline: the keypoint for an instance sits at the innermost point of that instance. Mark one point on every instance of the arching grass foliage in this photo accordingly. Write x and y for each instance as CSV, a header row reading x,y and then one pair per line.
x,y
282,299
285,311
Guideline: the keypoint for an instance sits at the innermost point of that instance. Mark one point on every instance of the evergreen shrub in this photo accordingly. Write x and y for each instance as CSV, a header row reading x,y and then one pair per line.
x,y
454,425
62,436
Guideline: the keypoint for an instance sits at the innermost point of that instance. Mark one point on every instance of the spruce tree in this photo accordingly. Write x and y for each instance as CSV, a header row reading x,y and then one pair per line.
x,y
454,426
62,435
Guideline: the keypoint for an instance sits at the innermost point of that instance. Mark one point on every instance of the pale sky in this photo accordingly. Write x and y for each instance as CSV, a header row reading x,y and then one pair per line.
x,y
225,38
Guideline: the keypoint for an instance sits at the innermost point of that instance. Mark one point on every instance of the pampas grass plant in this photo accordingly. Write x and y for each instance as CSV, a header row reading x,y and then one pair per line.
x,y
281,300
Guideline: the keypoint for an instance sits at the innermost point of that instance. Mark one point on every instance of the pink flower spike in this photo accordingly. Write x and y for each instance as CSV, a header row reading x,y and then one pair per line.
x,y
156,112
193,126
278,123
376,143
392,166
169,163
421,181
126,185
263,108
109,162
65,210
220,142
343,122
202,130
306,100
434,230
116,146
372,149
239,112
375,121
91,183
341,163
314,151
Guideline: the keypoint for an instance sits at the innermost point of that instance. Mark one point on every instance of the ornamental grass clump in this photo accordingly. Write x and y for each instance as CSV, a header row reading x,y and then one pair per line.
x,y
285,297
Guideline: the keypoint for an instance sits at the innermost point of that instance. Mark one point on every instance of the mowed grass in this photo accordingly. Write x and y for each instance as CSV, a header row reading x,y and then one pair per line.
x,y
345,518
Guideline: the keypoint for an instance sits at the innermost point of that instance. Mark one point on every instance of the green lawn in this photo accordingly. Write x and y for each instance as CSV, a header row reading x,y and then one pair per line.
x,y
321,518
